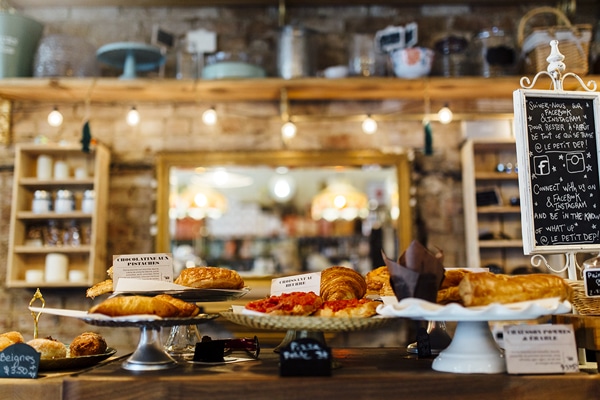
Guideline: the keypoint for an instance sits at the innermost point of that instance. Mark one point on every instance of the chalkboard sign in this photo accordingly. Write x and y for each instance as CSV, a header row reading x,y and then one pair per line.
x,y
591,279
557,152
19,361
305,357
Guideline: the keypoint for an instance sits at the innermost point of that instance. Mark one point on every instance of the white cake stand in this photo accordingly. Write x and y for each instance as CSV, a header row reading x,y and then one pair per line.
x,y
473,348
131,57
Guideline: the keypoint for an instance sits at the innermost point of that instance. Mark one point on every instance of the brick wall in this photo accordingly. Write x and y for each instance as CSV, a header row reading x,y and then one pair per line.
x,y
172,127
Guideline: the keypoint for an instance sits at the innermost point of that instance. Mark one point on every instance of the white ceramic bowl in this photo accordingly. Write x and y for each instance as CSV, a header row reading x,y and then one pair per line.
x,y
412,62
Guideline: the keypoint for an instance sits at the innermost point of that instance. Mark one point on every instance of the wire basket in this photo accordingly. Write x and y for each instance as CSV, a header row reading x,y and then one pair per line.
x,y
574,42
583,304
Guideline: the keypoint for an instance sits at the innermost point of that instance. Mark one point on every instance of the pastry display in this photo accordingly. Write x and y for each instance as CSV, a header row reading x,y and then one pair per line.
x,y
294,303
339,283
210,278
483,288
448,292
353,308
87,344
185,309
138,305
49,348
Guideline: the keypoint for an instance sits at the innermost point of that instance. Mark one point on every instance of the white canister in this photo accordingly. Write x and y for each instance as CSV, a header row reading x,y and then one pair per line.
x,y
44,167
81,173
77,276
34,276
61,170
57,267
64,202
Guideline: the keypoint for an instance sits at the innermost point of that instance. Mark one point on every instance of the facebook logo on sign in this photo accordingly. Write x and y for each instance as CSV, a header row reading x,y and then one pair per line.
x,y
541,165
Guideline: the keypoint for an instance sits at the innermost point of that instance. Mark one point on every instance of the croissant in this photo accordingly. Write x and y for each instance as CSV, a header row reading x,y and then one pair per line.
x,y
341,283
484,288
134,305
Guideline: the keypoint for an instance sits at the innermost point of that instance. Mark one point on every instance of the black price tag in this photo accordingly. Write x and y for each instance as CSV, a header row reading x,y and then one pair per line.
x,y
19,361
305,357
591,279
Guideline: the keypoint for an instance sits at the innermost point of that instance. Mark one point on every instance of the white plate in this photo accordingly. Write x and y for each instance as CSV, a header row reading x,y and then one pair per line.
x,y
421,309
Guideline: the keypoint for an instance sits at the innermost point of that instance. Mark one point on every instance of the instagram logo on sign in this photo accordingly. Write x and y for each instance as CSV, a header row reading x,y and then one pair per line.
x,y
575,163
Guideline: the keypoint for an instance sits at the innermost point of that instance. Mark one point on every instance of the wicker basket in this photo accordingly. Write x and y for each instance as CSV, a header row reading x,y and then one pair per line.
x,y
574,42
581,303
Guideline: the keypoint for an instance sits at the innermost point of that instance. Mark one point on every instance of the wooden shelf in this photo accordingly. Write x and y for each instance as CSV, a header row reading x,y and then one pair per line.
x,y
45,250
496,176
499,244
499,210
111,90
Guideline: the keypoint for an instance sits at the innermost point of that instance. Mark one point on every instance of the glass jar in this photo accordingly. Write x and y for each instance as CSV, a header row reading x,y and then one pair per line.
x,y
64,202
42,202
495,53
88,202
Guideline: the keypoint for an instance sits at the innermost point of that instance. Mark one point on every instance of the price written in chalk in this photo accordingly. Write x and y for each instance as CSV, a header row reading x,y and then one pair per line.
x,y
591,279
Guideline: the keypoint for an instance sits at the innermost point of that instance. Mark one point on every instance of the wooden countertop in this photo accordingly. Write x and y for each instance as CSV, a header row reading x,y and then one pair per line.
x,y
366,373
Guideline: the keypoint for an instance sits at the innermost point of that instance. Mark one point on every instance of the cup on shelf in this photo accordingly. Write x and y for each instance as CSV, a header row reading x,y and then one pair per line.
x,y
44,167
56,267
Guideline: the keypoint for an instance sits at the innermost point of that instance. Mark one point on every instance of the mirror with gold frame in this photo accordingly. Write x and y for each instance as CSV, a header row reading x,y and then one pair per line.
x,y
241,219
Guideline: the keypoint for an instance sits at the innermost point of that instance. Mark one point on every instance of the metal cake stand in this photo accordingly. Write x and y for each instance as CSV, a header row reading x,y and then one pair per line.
x,y
131,57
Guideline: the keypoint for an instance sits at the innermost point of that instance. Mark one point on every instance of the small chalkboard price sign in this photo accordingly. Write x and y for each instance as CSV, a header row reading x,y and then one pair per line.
x,y
591,279
557,136
305,357
19,361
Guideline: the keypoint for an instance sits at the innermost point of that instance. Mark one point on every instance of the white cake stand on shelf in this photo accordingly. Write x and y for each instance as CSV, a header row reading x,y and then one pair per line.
x,y
131,57
473,348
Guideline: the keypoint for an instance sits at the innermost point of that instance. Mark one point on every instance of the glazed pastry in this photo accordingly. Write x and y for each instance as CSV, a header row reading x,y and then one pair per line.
x,y
378,282
448,292
294,303
100,288
49,348
135,305
210,278
87,344
339,283
354,308
484,288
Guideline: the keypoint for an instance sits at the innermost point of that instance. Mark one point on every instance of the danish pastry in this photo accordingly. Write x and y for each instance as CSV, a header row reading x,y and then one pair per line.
x,y
294,303
353,308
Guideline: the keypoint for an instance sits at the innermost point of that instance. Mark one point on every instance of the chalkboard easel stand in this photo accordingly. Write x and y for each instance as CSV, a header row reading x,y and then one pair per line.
x,y
532,245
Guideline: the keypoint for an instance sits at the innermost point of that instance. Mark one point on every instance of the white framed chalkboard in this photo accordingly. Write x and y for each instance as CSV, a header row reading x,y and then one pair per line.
x,y
557,136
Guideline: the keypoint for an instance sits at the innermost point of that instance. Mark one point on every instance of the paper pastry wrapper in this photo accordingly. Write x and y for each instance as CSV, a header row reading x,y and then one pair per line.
x,y
418,273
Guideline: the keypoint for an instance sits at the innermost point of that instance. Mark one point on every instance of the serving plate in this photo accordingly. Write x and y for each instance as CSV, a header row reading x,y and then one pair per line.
x,y
304,323
67,363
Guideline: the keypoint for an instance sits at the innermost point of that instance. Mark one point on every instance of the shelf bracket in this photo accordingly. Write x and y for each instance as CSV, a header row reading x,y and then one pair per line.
x,y
5,121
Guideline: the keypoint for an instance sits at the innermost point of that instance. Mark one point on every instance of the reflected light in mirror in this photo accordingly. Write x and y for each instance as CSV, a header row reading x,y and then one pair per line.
x,y
339,200
221,178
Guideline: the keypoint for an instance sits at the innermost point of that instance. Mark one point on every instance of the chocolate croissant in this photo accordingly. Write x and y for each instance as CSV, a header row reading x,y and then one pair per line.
x,y
341,283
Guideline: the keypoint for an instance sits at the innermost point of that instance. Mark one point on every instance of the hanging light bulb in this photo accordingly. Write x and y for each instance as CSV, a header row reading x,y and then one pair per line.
x,y
209,117
288,130
55,118
369,125
445,115
133,117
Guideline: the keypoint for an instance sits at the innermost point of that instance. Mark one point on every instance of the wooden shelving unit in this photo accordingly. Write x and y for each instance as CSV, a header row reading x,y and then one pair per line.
x,y
493,231
89,256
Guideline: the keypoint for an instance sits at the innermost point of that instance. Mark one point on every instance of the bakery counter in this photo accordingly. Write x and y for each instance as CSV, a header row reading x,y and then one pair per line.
x,y
365,373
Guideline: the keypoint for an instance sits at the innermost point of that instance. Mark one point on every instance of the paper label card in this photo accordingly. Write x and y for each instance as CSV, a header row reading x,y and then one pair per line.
x,y
540,349
591,280
155,266
310,282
